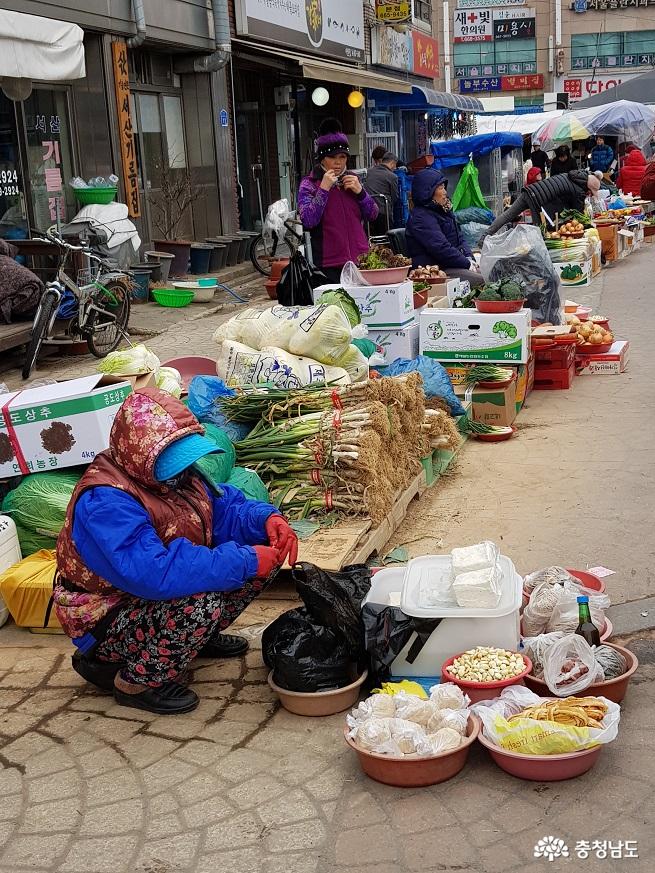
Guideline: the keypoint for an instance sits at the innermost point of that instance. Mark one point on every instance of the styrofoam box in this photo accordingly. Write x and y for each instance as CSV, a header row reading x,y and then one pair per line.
x,y
460,630
381,306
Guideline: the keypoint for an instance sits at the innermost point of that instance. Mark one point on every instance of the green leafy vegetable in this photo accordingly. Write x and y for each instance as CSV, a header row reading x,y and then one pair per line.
x,y
340,297
488,293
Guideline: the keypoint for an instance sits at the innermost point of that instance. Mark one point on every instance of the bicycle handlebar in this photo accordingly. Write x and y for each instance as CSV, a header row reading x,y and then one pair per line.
x,y
54,239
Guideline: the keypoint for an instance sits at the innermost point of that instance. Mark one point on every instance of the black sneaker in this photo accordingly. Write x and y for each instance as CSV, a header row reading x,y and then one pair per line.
x,y
168,699
98,673
224,646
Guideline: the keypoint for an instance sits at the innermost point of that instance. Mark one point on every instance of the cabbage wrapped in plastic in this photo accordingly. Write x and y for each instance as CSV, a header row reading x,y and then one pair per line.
x,y
324,335
355,364
169,379
136,361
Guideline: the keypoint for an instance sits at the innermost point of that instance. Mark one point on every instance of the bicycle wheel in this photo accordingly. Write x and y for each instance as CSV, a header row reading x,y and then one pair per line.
x,y
108,326
42,323
263,253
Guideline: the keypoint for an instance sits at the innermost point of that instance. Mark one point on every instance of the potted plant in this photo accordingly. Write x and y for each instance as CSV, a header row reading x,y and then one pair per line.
x,y
170,206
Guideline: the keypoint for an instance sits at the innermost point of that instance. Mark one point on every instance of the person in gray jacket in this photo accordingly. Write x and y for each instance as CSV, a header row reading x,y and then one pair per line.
x,y
382,182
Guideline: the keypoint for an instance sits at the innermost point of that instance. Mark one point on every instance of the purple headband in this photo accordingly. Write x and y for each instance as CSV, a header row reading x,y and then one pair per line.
x,y
331,144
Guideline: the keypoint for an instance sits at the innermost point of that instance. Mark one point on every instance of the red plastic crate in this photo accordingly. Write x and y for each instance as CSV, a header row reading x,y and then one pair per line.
x,y
558,358
554,380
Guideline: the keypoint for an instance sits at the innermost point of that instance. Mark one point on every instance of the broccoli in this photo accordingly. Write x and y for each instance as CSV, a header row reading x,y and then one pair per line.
x,y
505,330
512,290
489,294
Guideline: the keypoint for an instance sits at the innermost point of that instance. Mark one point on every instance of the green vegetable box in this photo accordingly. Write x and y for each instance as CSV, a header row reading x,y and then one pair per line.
x,y
467,335
57,426
573,274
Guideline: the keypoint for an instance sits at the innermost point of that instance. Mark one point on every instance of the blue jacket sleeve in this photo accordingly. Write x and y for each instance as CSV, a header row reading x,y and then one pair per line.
x,y
238,519
425,228
115,538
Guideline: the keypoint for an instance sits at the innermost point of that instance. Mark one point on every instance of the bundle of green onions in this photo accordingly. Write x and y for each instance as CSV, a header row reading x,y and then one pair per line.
x,y
487,373
475,428
270,404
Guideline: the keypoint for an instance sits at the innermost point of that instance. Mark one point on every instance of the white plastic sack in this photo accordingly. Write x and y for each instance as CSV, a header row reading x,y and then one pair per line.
x,y
355,364
553,575
262,327
323,334
570,666
277,214
565,615
536,647
238,364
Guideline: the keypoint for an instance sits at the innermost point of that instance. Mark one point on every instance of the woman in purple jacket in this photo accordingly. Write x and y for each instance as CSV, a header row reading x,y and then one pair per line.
x,y
333,205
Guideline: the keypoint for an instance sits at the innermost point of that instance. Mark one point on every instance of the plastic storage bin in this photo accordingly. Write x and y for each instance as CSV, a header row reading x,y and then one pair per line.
x,y
460,630
9,555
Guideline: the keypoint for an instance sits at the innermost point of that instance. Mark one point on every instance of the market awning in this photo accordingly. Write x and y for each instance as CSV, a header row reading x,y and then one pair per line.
x,y
40,49
355,76
422,98
524,124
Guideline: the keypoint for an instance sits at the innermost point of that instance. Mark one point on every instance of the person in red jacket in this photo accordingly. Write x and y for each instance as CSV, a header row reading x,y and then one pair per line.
x,y
632,173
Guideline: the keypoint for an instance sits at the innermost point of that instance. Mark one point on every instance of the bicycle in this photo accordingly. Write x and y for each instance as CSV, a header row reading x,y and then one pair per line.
x,y
264,251
102,295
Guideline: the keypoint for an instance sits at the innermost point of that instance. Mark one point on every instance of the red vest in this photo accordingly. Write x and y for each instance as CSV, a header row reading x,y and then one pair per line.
x,y
183,512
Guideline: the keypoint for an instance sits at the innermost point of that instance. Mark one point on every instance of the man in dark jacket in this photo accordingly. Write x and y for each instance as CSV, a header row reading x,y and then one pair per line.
x,y
153,564
383,186
539,158
553,195
433,236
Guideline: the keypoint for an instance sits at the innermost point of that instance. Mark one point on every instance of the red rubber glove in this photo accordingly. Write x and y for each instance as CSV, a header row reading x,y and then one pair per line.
x,y
283,538
267,560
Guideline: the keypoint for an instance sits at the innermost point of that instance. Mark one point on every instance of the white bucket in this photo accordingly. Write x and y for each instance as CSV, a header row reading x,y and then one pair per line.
x,y
9,555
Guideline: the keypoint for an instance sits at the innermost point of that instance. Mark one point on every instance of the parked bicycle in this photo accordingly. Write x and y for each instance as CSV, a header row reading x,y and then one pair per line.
x,y
264,250
102,298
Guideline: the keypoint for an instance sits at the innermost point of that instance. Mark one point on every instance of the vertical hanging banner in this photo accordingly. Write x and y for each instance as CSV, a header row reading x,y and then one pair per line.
x,y
125,128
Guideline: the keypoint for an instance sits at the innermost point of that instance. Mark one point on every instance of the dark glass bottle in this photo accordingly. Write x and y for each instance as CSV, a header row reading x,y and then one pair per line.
x,y
586,628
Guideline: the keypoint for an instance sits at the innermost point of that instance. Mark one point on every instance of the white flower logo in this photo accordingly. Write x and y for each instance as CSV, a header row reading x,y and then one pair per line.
x,y
551,848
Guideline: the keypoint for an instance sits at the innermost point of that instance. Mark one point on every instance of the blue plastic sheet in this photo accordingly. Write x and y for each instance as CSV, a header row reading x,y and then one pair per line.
x,y
436,382
456,152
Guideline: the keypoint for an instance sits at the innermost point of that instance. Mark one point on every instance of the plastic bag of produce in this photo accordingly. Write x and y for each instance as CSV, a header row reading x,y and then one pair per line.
x,y
553,575
570,666
436,382
324,334
341,298
204,394
355,364
130,362
257,328
536,647
553,727
335,598
240,365
38,507
304,655
249,483
520,253
565,614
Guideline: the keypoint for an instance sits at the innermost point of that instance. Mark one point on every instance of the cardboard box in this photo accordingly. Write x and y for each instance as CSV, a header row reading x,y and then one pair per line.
x,y
609,238
524,378
584,276
59,425
611,363
401,343
381,306
493,406
596,257
468,335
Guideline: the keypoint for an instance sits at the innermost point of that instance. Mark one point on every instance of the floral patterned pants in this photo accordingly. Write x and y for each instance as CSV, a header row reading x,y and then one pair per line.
x,y
158,639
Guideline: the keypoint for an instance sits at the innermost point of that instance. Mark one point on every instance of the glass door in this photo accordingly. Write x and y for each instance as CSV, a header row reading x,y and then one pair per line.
x,y
13,208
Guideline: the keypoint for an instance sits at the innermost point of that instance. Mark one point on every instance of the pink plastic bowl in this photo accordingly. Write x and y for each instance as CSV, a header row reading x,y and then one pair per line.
x,y
190,366
388,276
484,690
542,768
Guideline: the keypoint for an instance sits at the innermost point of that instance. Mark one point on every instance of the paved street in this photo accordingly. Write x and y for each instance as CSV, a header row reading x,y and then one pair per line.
x,y
240,786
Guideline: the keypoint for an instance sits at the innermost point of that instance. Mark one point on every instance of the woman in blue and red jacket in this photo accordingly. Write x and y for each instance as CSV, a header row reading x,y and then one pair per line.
x,y
333,205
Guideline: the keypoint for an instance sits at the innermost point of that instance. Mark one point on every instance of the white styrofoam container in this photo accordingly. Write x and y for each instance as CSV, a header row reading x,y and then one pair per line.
x,y
399,343
9,555
381,306
459,631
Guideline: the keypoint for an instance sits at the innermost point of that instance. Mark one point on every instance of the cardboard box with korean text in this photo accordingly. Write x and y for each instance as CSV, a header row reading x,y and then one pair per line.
x,y
609,239
400,343
495,406
381,306
610,364
58,426
468,335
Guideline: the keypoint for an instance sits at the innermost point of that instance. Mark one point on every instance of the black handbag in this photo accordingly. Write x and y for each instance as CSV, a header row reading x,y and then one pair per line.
x,y
297,282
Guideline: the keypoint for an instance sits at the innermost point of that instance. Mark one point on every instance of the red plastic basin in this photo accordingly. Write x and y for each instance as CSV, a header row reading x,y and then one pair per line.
x,y
542,768
484,690
494,306
593,583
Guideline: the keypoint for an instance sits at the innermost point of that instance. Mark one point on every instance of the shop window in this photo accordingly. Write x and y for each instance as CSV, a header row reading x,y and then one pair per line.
x,y
423,11
174,132
500,52
13,219
49,156
607,50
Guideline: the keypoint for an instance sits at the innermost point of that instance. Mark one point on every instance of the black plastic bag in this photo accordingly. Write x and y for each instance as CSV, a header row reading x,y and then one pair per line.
x,y
304,655
297,282
334,599
387,630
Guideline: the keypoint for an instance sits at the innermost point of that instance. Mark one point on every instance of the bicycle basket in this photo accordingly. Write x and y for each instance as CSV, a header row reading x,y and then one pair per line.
x,y
85,277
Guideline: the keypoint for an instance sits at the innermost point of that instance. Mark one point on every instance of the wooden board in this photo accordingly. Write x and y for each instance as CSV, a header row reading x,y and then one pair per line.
x,y
13,335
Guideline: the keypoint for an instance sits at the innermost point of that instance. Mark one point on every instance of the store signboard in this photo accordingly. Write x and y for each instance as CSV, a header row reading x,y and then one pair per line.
x,y
392,49
426,55
334,28
515,69
514,24
488,4
581,87
520,83
609,5
125,127
472,25
393,12
492,83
